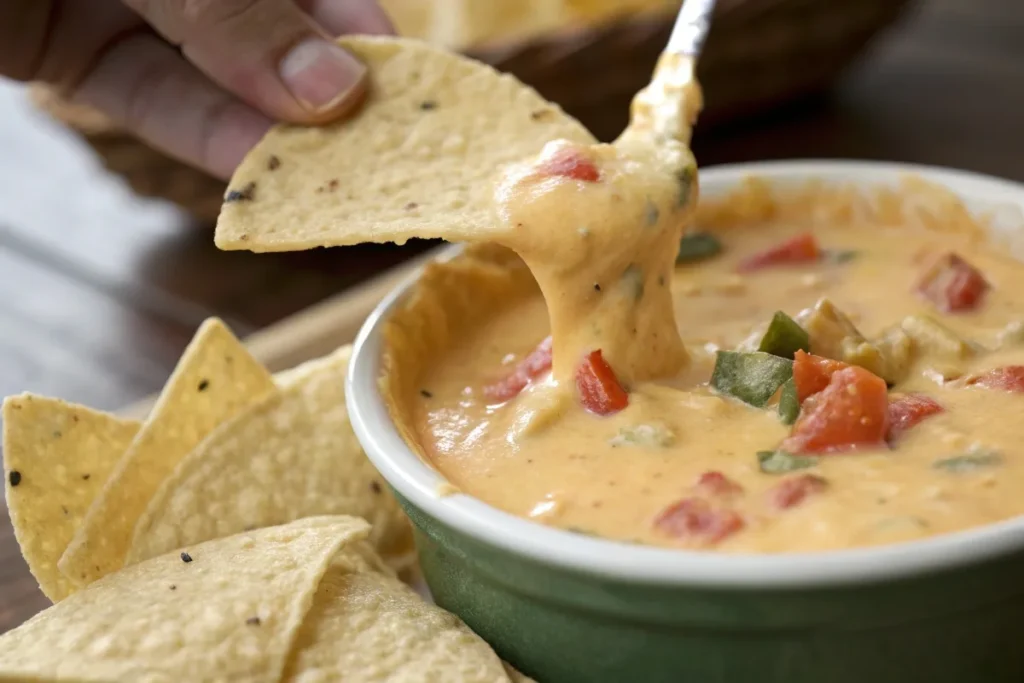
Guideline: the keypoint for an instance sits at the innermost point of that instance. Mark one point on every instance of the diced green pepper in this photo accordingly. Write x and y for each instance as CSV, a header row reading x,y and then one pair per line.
x,y
633,280
646,435
838,255
784,337
1012,334
685,177
902,523
651,213
582,532
969,462
697,246
751,377
789,403
781,462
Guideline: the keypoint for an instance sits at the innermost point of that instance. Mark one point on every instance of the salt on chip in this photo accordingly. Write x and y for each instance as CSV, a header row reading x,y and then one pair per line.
x,y
57,456
366,625
215,379
291,455
419,159
228,609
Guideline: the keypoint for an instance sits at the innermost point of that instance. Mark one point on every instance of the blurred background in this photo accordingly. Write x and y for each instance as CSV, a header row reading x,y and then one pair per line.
x,y
107,263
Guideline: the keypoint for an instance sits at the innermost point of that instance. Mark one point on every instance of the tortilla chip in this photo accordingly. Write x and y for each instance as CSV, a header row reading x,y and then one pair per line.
x,y
366,625
228,610
304,371
98,674
515,676
420,159
292,455
215,379
62,454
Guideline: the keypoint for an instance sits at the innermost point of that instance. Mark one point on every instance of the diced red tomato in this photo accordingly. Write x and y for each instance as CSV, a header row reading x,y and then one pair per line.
x,y
792,491
800,249
696,519
530,368
812,373
714,483
570,163
952,284
851,412
599,389
907,410
1009,378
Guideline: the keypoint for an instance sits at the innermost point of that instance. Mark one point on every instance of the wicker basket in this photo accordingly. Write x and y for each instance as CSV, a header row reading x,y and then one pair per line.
x,y
760,53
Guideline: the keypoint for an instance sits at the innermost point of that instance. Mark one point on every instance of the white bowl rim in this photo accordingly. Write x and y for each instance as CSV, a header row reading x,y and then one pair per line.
x,y
420,484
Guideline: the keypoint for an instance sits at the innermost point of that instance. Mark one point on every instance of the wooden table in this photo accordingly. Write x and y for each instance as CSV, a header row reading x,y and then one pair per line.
x,y
100,291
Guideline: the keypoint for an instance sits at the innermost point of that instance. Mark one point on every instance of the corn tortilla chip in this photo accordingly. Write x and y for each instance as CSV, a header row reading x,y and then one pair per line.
x,y
99,674
63,454
366,625
60,454
515,676
228,610
419,159
303,371
291,455
215,379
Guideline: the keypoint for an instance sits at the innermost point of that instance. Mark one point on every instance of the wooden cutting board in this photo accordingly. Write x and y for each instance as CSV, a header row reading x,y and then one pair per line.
x,y
317,330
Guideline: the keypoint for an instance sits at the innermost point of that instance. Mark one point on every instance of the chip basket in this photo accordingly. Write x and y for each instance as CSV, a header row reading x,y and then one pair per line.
x,y
760,54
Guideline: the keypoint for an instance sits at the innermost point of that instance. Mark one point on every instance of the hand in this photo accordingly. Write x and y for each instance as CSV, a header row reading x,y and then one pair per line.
x,y
201,80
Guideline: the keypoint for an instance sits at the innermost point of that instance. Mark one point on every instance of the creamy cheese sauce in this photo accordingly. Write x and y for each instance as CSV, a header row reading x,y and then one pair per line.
x,y
599,227
541,455
651,398
603,250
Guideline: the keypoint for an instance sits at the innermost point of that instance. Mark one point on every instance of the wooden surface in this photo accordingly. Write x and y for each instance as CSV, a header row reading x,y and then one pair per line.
x,y
99,291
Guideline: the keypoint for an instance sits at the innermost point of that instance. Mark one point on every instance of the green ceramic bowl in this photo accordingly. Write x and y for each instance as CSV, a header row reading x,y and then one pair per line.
x,y
565,608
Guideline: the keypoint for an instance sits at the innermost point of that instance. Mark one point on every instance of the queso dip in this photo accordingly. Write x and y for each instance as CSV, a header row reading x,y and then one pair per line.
x,y
843,378
789,374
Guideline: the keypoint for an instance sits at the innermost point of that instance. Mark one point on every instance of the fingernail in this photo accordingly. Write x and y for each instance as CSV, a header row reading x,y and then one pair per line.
x,y
319,74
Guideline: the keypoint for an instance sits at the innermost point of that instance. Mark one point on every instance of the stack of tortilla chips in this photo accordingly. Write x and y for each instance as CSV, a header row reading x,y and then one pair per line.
x,y
238,533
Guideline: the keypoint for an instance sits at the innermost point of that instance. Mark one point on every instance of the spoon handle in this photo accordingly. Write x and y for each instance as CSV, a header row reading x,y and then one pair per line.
x,y
668,107
691,27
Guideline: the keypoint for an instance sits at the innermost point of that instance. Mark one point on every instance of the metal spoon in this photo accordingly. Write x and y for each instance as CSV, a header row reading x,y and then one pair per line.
x,y
668,107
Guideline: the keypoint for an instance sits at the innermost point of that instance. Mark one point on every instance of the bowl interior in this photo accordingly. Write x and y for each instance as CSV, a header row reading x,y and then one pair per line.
x,y
421,485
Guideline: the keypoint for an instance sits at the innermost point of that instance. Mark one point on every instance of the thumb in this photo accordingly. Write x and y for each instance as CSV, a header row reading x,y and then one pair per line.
x,y
269,53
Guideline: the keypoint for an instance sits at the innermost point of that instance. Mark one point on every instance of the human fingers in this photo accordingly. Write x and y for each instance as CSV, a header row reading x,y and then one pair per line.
x,y
269,53
150,89
339,17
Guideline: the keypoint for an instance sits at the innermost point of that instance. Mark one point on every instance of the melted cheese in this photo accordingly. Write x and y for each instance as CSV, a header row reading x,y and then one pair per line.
x,y
542,456
602,253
